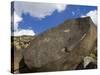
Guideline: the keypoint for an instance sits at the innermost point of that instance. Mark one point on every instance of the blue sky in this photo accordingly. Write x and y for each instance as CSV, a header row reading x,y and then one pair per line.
x,y
50,16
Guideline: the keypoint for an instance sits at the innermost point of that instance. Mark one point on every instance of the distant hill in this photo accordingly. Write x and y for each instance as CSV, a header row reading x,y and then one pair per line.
x,y
20,42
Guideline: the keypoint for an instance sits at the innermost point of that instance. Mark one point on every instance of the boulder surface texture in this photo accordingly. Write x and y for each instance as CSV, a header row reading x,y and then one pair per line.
x,y
62,47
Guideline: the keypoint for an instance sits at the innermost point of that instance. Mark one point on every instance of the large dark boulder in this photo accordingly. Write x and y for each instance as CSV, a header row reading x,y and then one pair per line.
x,y
62,47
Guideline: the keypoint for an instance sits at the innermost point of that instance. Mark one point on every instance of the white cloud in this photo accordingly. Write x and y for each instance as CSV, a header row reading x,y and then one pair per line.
x,y
17,19
93,15
24,32
38,10
20,32
60,7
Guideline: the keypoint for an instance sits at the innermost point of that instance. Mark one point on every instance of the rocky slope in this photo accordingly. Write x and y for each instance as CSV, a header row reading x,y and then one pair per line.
x,y
17,44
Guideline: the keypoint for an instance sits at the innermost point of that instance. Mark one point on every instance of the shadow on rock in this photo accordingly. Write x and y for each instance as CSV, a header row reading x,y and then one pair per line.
x,y
23,68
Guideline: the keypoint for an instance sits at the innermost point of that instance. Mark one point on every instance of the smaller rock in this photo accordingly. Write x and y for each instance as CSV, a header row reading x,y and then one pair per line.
x,y
88,60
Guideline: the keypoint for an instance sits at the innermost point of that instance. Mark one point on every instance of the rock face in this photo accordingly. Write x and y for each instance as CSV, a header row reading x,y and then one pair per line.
x,y
62,47
17,44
